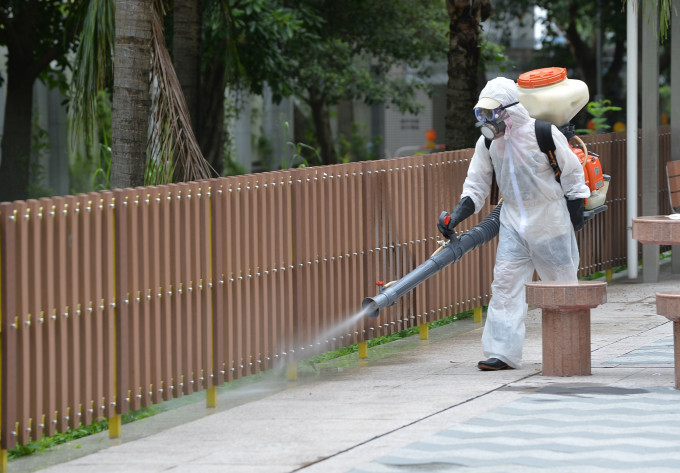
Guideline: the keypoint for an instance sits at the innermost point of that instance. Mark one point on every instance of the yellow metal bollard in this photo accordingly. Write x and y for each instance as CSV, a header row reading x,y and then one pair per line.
x,y
424,331
211,397
609,274
292,372
115,426
363,350
3,461
477,314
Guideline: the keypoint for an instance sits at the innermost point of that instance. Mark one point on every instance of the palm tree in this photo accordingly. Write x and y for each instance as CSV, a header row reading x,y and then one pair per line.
x,y
152,140
131,99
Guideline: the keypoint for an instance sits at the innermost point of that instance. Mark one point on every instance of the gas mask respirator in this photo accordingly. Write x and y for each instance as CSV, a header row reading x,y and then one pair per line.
x,y
492,122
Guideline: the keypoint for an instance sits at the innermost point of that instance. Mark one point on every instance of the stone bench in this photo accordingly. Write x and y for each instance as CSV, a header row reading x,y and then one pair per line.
x,y
566,323
668,305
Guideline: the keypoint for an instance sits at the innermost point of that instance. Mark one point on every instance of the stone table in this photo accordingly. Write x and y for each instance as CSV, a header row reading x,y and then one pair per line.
x,y
566,323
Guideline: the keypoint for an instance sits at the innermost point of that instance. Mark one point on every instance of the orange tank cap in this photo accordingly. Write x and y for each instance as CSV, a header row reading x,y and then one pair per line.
x,y
541,77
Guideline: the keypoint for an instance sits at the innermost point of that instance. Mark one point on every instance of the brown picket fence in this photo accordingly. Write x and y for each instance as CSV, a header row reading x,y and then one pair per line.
x,y
116,300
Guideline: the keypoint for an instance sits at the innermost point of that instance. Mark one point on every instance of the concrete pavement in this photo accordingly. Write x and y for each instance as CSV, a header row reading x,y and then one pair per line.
x,y
423,406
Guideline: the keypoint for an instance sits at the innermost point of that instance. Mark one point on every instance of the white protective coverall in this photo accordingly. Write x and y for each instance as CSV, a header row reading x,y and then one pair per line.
x,y
535,228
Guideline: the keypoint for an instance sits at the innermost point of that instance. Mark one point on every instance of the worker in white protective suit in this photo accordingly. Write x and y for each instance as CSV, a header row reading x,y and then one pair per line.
x,y
537,223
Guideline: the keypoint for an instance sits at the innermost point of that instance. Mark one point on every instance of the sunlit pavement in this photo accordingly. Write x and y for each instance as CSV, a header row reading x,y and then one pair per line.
x,y
422,405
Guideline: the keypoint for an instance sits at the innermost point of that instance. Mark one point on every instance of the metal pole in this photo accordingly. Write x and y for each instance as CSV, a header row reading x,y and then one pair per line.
x,y
650,133
631,135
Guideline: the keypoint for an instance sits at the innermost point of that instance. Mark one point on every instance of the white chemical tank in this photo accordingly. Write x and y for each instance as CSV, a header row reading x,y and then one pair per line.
x,y
549,95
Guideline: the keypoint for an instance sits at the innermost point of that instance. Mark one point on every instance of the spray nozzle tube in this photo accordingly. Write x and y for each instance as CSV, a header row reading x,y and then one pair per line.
x,y
371,306
451,252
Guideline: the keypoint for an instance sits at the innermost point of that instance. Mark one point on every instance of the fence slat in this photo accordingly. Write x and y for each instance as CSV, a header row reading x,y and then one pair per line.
x,y
85,304
167,261
155,295
35,321
108,306
216,280
48,314
204,284
96,306
142,299
10,320
122,328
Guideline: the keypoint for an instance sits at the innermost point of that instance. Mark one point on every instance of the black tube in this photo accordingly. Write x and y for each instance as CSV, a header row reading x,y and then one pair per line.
x,y
452,252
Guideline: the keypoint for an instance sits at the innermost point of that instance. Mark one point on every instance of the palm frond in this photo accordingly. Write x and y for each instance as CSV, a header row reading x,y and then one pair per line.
x,y
173,151
93,68
666,11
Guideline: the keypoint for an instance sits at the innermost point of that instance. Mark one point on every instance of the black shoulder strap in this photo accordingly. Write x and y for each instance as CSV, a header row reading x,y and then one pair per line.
x,y
547,145
495,191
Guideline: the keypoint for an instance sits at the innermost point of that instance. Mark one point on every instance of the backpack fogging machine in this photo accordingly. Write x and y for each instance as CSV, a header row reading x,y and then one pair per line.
x,y
550,98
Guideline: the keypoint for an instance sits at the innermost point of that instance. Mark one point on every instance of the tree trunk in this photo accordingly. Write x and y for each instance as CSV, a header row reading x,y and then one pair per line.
x,y
612,78
210,128
131,95
322,126
186,45
463,61
16,142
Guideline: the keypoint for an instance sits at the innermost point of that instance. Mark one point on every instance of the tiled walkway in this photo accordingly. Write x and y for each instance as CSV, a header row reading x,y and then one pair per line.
x,y
561,429
569,429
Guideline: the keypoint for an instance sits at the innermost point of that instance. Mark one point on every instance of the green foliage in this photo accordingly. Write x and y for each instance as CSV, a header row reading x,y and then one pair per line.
x,y
665,100
58,439
90,102
357,148
263,146
232,168
350,50
665,17
553,53
357,44
583,14
51,34
249,36
90,167
597,110
493,54
666,11
299,152
40,152
577,18
93,71
75,434
101,179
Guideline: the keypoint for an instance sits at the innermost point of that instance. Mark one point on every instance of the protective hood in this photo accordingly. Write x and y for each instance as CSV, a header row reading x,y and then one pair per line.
x,y
504,90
